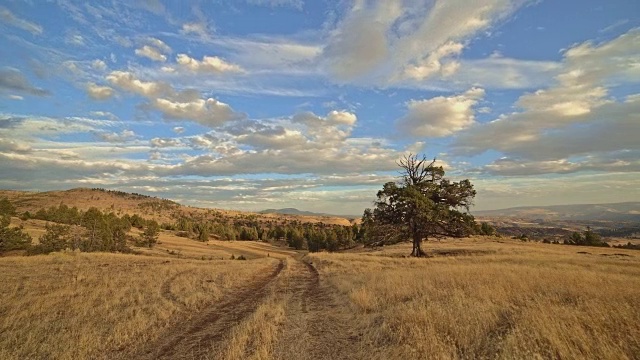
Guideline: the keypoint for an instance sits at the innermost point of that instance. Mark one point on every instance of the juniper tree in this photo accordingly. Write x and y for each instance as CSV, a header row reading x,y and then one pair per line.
x,y
422,204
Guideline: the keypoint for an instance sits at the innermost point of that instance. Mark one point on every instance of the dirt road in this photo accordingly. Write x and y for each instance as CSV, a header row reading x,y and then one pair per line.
x,y
313,327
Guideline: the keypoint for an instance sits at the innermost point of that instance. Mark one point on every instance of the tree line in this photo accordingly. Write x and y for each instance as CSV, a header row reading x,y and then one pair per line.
x,y
312,236
73,229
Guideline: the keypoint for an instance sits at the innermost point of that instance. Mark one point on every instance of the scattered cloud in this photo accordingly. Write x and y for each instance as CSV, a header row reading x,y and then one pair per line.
x,y
121,137
201,29
128,81
385,42
558,123
9,18
13,80
99,65
209,64
440,116
150,53
208,112
98,92
297,4
155,49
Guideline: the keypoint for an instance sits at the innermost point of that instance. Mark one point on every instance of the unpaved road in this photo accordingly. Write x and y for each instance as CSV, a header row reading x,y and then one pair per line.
x,y
194,339
312,328
315,328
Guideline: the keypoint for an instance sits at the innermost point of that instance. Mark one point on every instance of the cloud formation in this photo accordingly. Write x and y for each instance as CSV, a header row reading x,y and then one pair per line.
x,y
386,42
561,122
10,18
98,92
440,116
209,64
176,105
12,80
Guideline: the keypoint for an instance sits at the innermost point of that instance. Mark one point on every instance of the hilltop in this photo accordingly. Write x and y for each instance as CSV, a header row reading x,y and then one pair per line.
x,y
626,211
149,207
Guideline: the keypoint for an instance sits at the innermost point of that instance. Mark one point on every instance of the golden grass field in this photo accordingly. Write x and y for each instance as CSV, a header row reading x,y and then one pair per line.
x,y
475,298
489,299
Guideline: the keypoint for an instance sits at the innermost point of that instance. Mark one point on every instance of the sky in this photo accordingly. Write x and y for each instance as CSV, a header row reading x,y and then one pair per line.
x,y
262,104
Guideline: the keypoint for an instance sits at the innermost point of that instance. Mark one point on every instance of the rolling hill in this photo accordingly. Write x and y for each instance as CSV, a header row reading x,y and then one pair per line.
x,y
626,211
148,207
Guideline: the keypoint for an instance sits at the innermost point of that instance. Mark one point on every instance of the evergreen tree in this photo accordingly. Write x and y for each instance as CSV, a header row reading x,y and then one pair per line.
x,y
423,204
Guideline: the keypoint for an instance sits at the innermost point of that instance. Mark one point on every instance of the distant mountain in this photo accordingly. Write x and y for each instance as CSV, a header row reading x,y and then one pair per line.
x,y
294,211
626,211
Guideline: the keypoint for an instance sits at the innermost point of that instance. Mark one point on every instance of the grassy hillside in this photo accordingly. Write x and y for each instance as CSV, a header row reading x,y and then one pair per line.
x,y
627,211
161,210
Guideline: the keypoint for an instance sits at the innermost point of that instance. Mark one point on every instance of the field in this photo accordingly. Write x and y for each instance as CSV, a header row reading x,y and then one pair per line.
x,y
474,298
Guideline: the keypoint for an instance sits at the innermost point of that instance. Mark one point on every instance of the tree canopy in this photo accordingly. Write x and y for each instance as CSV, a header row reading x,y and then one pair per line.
x,y
422,204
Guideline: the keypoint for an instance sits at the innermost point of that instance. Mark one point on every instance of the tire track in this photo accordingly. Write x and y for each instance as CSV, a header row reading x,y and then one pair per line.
x,y
313,329
197,337
165,290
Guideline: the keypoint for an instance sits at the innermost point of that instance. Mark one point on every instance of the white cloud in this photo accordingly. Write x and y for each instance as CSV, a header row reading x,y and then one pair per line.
x,y
75,39
341,118
159,44
272,53
165,142
9,18
566,127
178,130
440,116
151,53
128,81
99,65
297,4
199,28
13,146
186,104
502,73
155,49
98,92
386,42
433,64
113,137
209,64
208,112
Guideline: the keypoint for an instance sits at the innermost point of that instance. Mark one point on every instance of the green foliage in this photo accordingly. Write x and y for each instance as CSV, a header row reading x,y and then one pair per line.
x,y
487,229
12,238
6,207
295,239
61,214
589,238
150,235
202,232
423,204
628,245
56,238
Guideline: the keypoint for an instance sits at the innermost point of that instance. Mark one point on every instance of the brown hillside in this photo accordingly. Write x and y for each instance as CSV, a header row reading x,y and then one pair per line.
x,y
148,207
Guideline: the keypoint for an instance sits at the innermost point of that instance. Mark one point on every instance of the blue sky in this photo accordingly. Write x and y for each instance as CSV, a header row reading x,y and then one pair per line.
x,y
289,103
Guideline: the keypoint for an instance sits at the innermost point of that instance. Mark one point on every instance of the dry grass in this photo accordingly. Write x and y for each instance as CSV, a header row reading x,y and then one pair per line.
x,y
84,199
486,299
476,298
80,306
255,337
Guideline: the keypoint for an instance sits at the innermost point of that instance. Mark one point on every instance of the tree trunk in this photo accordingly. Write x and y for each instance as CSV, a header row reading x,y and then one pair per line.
x,y
417,246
